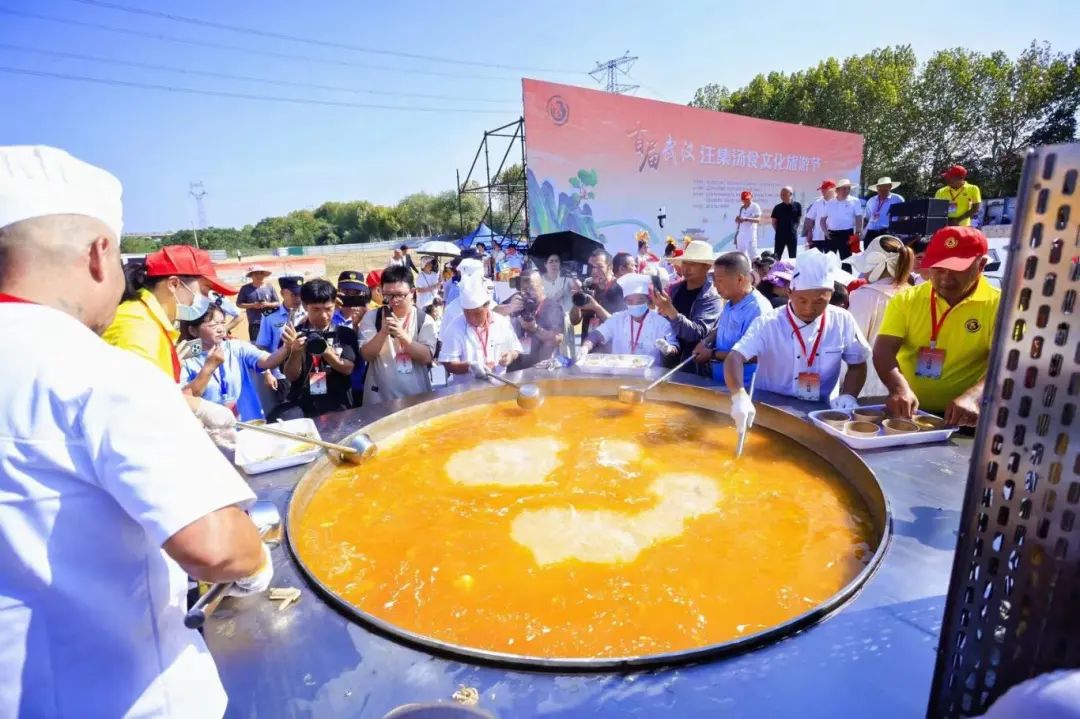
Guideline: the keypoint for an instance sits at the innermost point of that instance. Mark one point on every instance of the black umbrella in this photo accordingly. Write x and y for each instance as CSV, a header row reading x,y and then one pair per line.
x,y
569,246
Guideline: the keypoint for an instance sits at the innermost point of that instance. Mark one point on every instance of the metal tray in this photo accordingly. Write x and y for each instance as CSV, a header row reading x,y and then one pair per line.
x,y
611,364
257,452
884,440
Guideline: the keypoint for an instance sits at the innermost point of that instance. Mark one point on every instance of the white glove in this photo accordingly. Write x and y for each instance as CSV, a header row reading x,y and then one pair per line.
x,y
215,416
665,347
844,403
742,410
259,581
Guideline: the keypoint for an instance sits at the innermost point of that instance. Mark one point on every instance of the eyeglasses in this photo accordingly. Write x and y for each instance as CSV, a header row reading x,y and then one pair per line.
x,y
395,296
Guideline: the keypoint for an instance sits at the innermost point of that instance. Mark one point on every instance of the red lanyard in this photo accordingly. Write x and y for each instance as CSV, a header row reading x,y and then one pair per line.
x,y
935,325
6,298
634,339
483,339
802,343
168,340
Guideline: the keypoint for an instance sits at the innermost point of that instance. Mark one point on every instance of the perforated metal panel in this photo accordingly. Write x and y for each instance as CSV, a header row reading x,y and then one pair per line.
x,y
1013,608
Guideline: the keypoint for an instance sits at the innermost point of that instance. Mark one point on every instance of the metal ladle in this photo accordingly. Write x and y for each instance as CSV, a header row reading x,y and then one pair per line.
x,y
636,395
360,447
528,395
266,518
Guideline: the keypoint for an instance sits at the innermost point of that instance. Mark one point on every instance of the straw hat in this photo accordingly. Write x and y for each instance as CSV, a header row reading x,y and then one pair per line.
x,y
843,183
258,270
696,251
885,181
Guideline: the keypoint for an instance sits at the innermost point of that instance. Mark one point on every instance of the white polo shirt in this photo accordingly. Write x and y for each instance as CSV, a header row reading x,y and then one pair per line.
x,y
815,212
628,337
462,343
841,214
781,358
101,461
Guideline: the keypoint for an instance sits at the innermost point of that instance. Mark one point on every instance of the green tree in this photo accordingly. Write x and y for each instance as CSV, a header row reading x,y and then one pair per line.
x,y
135,245
960,106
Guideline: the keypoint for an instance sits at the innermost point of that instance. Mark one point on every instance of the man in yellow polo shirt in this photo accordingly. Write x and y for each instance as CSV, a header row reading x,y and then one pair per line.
x,y
933,347
964,198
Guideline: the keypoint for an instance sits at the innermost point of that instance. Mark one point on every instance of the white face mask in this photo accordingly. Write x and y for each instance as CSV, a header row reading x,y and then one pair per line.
x,y
637,311
195,310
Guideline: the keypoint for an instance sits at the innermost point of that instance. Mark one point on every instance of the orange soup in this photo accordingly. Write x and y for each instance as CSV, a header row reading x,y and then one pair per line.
x,y
587,528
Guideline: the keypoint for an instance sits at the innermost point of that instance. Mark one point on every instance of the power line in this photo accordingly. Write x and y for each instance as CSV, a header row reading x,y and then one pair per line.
x,y
240,95
237,48
307,40
244,78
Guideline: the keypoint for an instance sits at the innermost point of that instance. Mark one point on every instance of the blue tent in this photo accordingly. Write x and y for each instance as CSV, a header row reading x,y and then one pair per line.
x,y
484,234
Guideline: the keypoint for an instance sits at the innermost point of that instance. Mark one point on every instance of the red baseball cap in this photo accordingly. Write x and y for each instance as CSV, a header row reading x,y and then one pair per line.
x,y
827,185
373,279
955,171
746,195
954,248
185,260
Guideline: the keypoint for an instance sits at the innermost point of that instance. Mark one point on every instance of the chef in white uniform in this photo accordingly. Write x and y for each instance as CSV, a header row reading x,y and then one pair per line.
x,y
637,330
478,334
800,346
468,267
110,491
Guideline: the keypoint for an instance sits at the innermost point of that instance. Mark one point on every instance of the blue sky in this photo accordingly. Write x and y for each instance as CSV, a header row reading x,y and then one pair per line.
x,y
261,158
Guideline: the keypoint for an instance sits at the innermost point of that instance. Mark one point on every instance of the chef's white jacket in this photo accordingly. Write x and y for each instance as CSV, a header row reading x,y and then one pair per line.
x,y
101,461
461,342
781,358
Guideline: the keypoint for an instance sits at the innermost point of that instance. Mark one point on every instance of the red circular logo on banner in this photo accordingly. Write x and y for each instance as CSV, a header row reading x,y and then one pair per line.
x,y
558,110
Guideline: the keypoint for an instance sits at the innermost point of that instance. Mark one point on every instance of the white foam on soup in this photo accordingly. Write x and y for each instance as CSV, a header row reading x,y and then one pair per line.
x,y
506,462
556,534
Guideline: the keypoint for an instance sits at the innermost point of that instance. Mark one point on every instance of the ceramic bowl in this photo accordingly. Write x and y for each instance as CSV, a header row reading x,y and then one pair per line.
x,y
834,418
861,429
864,414
899,426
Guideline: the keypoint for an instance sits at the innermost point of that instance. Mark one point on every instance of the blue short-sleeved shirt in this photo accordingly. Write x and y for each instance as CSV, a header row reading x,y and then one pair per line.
x,y
231,382
270,331
734,320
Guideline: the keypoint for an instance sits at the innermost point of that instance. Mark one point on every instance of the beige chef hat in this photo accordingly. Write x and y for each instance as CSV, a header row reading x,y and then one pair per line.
x,y
815,270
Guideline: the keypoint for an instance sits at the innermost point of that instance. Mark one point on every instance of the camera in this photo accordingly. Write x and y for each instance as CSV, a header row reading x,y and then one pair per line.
x,y
529,306
317,341
587,292
354,301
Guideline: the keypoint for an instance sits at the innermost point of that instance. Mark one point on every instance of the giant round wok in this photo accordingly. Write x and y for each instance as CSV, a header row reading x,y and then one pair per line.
x,y
846,463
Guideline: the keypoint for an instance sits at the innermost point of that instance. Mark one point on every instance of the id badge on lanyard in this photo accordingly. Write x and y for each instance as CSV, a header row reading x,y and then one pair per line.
x,y
808,386
482,338
808,382
317,378
403,362
930,362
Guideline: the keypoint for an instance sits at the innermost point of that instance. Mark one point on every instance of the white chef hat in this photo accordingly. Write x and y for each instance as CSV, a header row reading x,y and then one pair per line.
x,y
470,266
474,292
36,181
635,284
815,270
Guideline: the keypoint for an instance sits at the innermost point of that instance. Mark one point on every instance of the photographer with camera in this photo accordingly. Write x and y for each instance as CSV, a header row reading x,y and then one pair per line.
x,y
322,356
600,297
397,341
539,324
